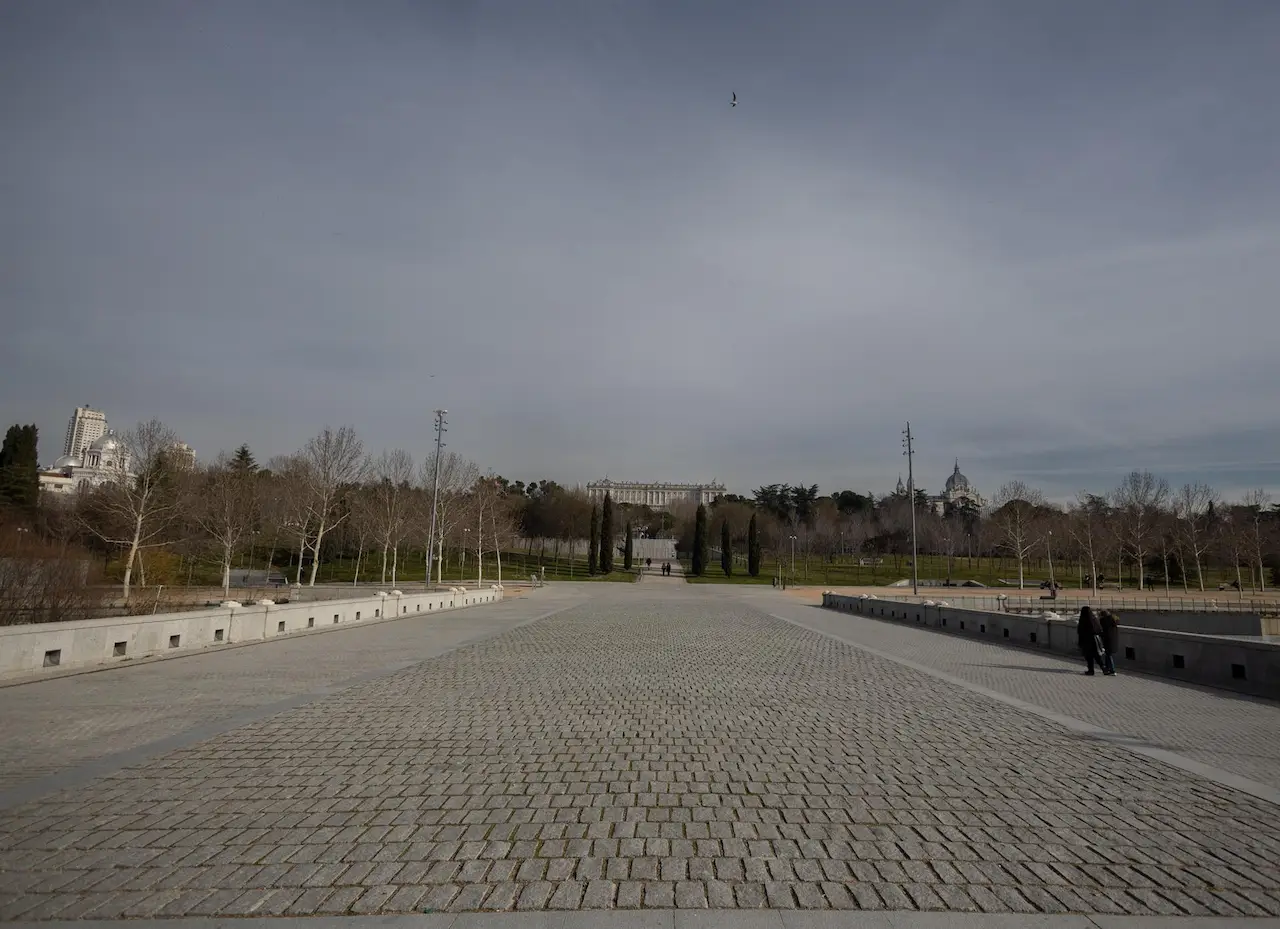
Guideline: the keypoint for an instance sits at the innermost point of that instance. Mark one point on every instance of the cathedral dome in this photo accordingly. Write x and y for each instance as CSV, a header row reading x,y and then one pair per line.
x,y
957,482
107,443
66,461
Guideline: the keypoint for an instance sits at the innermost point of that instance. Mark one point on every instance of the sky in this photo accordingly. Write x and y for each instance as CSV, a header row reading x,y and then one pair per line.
x,y
1047,234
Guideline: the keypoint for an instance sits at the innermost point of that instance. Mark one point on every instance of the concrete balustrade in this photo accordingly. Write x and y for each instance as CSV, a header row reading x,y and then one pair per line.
x,y
50,646
1249,666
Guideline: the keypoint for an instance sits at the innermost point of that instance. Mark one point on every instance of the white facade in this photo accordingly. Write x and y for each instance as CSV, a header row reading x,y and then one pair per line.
x,y
105,460
658,496
184,456
86,427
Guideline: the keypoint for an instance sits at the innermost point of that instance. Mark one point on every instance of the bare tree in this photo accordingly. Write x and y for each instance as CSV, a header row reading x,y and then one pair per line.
x,y
1258,505
1139,502
334,459
391,496
286,497
223,502
1015,511
1087,524
457,475
1191,508
137,504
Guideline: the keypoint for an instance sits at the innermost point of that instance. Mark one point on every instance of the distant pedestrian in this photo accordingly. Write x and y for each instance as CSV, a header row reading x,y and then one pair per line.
x,y
1110,640
1089,634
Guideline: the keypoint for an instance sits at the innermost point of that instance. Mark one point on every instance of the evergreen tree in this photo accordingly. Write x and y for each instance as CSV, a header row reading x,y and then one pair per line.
x,y
19,468
593,543
753,548
627,552
726,550
700,542
243,461
606,536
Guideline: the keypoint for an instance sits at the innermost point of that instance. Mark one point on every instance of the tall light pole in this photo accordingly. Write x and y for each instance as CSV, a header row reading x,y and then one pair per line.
x,y
1048,544
793,558
435,491
909,451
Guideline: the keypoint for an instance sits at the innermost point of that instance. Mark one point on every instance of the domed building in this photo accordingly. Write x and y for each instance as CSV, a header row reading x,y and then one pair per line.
x,y
957,492
105,459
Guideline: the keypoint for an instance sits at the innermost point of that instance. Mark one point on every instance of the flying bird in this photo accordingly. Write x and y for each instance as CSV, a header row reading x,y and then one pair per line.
x,y
734,101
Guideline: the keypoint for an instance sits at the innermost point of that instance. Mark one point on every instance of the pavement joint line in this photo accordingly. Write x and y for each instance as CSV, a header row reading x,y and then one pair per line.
x,y
1208,772
677,919
37,677
82,774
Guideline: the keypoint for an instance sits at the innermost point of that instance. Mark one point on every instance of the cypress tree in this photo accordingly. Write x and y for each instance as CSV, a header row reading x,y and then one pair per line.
x,y
700,542
20,468
753,548
243,461
726,550
593,543
606,536
627,552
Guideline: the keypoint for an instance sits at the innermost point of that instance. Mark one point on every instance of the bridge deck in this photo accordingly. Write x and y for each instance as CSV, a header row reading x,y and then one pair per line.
x,y
647,746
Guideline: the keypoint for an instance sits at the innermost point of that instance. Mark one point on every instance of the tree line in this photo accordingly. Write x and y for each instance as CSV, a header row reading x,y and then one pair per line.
x,y
333,499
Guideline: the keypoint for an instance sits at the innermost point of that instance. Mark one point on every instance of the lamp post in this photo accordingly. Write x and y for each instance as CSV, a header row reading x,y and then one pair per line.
x,y
793,557
1048,544
435,491
909,451
466,539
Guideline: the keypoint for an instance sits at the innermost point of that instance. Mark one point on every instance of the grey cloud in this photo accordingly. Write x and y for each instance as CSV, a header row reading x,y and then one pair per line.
x,y
1037,231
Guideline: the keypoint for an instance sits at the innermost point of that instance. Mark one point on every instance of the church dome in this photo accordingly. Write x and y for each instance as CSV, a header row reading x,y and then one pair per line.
x,y
957,482
107,443
66,461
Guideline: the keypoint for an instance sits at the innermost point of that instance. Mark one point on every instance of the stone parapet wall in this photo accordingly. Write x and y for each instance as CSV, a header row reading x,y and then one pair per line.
x,y
1246,666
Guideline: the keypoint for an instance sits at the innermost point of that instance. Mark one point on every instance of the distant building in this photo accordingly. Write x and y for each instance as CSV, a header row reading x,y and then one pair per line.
x,y
86,427
957,493
184,456
105,459
657,496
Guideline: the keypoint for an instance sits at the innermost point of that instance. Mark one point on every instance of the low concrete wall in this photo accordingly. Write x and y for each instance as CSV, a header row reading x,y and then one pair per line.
x,y
1251,667
49,646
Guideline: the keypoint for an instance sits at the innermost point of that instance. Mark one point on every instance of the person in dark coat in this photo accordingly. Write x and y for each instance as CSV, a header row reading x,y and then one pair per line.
x,y
1110,640
1089,631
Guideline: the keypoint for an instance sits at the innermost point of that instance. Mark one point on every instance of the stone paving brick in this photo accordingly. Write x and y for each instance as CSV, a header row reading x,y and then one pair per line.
x,y
603,758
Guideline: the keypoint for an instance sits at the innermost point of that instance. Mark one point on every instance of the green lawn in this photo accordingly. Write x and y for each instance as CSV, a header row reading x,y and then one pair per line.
x,y
844,572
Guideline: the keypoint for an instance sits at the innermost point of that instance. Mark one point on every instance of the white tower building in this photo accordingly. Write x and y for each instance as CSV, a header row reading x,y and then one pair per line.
x,y
86,427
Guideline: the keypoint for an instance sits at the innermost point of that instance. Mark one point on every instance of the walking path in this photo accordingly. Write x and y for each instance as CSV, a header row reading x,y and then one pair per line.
x,y
650,749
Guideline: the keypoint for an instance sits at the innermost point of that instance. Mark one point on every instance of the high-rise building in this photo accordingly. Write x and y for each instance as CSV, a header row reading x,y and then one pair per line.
x,y
86,427
184,455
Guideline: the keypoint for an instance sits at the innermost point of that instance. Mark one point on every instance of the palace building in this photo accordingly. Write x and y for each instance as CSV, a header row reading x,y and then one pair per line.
x,y
658,496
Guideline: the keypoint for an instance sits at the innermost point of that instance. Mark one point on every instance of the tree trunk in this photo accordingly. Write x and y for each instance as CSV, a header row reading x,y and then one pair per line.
x,y
128,563
383,578
355,578
315,549
1120,571
226,572
479,546
395,563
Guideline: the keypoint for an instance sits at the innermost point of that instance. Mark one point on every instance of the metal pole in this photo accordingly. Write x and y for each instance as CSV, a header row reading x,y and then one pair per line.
x,y
911,494
435,490
1049,547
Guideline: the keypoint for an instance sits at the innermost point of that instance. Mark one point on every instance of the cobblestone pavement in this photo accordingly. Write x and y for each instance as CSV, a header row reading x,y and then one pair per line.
x,y
651,748
51,725
1233,732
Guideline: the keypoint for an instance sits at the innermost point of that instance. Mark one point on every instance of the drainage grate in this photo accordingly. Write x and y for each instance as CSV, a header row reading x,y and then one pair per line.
x,y
53,658
1179,661
175,641
1237,672
311,621
119,649
217,635
280,626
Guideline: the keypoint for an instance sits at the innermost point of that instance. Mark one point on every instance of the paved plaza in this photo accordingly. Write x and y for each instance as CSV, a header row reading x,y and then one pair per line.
x,y
651,748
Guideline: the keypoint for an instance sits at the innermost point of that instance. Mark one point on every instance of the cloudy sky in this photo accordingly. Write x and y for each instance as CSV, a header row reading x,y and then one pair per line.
x,y
1046,233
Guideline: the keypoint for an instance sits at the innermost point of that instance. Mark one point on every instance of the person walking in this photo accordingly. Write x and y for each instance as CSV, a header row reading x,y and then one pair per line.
x,y
1110,640
1089,635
